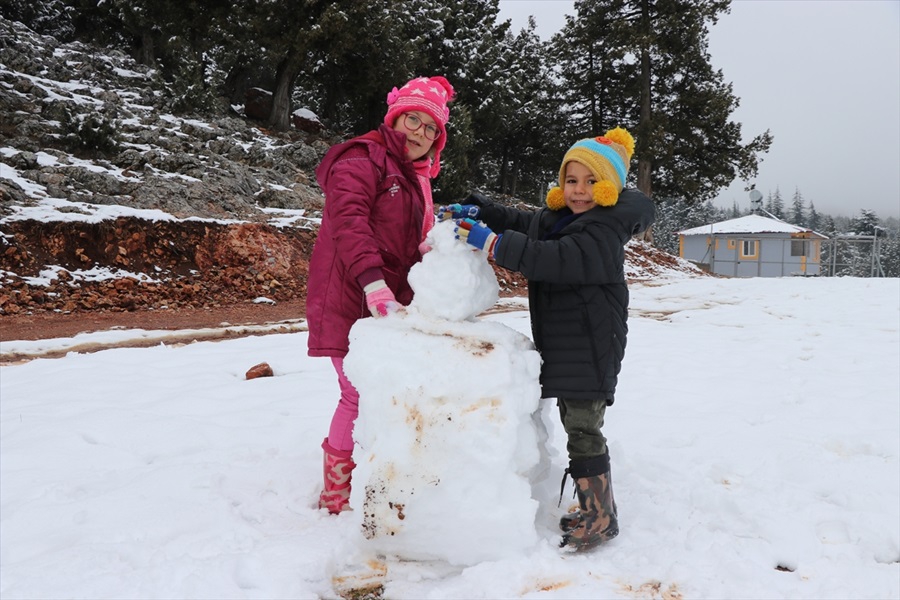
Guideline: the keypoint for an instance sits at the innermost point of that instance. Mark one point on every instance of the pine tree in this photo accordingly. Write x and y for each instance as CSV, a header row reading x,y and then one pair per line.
x,y
360,50
890,255
644,64
777,205
593,71
797,216
177,37
813,219
454,181
673,215
49,17
865,223
290,41
526,145
474,52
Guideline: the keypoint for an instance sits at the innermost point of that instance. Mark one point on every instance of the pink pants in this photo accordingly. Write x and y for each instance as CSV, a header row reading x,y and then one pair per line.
x,y
340,435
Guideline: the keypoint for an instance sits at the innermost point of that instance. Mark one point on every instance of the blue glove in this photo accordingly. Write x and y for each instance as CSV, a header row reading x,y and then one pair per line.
x,y
458,211
477,235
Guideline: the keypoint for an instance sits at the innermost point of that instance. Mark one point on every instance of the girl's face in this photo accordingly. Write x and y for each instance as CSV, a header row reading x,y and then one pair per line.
x,y
413,125
579,187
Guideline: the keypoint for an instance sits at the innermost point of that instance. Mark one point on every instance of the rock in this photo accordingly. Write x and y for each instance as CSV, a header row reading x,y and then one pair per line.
x,y
257,104
260,370
305,120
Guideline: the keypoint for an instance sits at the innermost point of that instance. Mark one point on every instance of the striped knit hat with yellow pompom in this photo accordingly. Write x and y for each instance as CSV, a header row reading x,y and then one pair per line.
x,y
607,157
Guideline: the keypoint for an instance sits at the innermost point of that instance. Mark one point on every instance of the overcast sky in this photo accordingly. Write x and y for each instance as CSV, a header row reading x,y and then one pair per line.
x,y
822,75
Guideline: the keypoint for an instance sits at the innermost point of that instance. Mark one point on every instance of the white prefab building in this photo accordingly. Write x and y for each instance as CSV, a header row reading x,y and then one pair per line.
x,y
753,246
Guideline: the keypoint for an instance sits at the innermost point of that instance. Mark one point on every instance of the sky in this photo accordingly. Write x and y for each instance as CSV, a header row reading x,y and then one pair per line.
x,y
755,451
823,76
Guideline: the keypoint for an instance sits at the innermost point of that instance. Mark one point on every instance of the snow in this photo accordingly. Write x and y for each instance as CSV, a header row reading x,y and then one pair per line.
x,y
747,224
754,443
57,209
305,113
50,273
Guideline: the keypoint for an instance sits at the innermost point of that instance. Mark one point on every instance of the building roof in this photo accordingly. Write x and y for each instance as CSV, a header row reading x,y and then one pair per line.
x,y
748,224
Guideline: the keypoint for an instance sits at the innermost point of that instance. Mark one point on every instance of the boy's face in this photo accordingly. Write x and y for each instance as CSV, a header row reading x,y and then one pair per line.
x,y
579,187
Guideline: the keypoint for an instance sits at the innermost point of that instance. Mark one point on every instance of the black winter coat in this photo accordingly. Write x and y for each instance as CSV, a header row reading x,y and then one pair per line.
x,y
577,292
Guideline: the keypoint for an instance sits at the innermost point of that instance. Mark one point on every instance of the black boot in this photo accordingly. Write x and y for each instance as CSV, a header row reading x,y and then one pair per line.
x,y
596,520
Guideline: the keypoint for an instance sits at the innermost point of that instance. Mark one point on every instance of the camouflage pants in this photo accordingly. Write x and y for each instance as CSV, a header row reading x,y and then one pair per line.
x,y
582,420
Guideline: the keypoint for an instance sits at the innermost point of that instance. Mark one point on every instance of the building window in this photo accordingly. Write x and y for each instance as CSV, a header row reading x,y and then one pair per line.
x,y
798,248
749,248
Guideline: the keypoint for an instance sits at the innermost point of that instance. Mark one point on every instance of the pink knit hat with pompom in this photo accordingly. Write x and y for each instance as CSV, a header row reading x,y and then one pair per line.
x,y
429,95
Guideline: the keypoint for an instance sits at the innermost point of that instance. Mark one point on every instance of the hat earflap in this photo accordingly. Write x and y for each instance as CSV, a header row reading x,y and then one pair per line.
x,y
605,193
555,198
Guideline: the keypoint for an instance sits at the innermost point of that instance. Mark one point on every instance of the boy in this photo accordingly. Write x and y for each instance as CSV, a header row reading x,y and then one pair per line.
x,y
573,254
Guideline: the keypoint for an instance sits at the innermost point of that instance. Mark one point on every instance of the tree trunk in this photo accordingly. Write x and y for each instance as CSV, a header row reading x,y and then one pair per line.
x,y
237,82
286,74
146,53
502,183
592,79
645,162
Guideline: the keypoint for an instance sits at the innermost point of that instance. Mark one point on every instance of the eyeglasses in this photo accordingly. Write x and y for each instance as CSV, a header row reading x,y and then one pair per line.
x,y
413,123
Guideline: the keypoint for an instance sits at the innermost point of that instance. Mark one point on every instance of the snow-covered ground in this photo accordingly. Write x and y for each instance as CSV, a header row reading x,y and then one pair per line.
x,y
755,444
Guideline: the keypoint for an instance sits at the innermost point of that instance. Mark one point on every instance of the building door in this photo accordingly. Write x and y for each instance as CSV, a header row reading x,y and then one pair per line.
x,y
748,258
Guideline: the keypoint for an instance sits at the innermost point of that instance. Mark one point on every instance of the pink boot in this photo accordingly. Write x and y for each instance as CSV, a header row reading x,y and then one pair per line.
x,y
338,467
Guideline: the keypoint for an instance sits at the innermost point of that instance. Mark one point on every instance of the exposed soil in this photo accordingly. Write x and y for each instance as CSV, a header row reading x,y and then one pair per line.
x,y
58,278
44,325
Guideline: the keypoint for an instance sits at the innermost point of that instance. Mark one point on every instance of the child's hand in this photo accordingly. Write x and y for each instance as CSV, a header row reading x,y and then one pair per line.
x,y
380,299
477,235
458,211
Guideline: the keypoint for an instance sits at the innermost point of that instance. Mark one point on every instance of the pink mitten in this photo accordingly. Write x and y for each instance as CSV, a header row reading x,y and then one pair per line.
x,y
380,299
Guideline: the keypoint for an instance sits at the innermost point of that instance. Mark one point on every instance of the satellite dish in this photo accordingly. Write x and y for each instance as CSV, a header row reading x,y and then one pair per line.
x,y
755,200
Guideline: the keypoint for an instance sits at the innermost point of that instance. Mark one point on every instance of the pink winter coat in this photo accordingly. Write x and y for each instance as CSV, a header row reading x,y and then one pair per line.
x,y
371,227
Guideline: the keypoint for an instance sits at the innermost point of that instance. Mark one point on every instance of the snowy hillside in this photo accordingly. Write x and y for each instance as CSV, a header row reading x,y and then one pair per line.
x,y
86,126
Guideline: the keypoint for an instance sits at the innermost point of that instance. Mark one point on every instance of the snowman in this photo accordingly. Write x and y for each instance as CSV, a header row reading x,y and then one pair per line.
x,y
449,439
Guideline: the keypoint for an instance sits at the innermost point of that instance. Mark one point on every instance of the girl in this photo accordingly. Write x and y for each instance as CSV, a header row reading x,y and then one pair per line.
x,y
378,210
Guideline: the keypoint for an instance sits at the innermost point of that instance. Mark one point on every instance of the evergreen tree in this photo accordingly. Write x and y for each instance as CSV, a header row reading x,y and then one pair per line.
x,y
865,223
775,204
829,227
475,53
454,181
890,255
813,219
527,146
176,37
797,215
674,215
593,71
50,17
644,64
289,42
360,50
